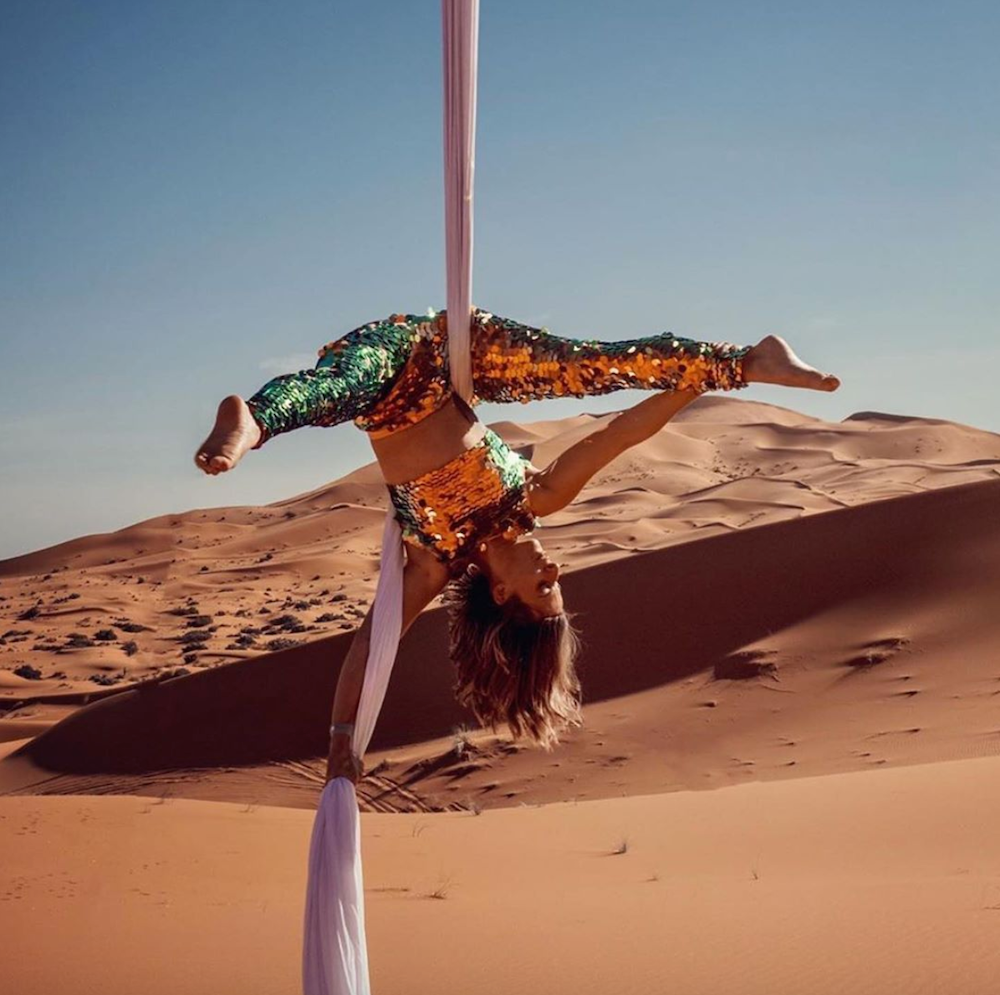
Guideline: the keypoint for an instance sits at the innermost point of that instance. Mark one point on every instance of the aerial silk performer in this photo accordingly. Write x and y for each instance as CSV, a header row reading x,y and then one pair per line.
x,y
462,504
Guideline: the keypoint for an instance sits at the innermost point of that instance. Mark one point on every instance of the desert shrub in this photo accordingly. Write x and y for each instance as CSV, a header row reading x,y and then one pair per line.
x,y
104,679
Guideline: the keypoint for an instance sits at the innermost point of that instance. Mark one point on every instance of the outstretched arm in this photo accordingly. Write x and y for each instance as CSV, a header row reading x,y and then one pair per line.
x,y
560,482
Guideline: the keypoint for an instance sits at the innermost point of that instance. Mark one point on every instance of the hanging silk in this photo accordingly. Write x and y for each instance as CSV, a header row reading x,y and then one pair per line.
x,y
335,952
460,19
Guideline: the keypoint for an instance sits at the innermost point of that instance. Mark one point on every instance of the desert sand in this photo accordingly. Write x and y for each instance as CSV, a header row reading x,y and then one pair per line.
x,y
783,784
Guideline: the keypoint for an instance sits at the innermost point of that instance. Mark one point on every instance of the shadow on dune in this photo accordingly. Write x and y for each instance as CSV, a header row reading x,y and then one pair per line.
x,y
647,620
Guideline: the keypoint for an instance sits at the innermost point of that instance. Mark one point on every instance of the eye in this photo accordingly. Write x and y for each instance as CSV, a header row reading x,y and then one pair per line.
x,y
544,587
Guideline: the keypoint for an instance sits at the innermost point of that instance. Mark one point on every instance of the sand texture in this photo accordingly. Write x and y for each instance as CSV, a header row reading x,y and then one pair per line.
x,y
802,614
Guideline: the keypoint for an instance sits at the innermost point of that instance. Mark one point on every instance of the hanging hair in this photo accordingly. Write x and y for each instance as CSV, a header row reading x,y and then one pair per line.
x,y
513,667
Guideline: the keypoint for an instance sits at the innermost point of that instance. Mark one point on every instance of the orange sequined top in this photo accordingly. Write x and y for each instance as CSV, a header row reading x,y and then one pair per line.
x,y
479,494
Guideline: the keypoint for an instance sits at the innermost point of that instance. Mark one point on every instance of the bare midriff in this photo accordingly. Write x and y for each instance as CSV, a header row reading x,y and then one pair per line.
x,y
429,444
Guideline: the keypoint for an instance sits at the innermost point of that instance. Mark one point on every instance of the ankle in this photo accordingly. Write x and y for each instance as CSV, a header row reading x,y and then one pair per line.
x,y
256,428
751,365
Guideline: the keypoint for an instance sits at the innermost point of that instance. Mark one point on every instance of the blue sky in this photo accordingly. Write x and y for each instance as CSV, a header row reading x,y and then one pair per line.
x,y
196,195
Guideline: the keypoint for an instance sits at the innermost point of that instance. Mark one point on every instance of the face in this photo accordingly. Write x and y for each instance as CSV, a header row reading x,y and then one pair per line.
x,y
521,569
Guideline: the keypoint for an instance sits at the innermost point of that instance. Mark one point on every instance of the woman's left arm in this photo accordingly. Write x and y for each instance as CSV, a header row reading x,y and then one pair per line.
x,y
560,482
424,578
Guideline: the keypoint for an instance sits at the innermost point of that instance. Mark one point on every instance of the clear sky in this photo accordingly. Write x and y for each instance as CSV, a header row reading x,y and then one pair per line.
x,y
195,196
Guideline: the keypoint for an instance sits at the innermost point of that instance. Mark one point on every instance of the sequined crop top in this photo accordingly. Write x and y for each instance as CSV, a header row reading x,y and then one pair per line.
x,y
477,495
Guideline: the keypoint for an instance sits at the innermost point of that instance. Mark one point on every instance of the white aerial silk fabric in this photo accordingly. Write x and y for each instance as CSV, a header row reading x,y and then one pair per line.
x,y
335,950
460,19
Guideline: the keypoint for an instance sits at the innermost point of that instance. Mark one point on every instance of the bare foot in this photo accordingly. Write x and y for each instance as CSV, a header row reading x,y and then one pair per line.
x,y
772,361
234,433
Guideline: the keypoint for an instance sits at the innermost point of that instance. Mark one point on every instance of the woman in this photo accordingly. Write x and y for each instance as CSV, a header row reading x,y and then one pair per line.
x,y
466,502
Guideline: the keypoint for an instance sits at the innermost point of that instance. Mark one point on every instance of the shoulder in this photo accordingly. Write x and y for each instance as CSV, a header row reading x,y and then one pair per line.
x,y
423,563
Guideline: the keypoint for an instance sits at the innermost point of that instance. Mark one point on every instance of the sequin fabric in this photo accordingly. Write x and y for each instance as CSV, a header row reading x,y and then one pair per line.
x,y
513,362
478,495
390,374
352,378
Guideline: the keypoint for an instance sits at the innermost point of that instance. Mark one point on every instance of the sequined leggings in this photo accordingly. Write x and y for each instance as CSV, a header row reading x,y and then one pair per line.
x,y
387,375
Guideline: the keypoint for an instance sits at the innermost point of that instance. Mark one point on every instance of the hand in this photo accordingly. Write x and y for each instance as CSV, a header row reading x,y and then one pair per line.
x,y
342,760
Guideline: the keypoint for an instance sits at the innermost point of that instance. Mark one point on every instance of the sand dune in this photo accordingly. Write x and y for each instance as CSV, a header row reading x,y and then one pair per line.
x,y
764,597
765,582
808,618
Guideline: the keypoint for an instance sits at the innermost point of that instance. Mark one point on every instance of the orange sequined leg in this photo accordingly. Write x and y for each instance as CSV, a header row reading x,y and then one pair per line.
x,y
514,362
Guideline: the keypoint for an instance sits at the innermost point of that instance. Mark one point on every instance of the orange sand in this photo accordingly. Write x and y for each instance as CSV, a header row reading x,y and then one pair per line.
x,y
817,667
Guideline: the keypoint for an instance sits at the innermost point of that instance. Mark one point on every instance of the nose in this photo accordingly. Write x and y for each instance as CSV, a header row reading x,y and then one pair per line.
x,y
551,571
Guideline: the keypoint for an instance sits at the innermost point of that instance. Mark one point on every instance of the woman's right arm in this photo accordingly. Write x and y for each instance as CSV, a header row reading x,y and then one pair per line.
x,y
424,578
560,482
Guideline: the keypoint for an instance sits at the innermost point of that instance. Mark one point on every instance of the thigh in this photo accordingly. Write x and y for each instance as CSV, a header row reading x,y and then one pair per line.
x,y
351,376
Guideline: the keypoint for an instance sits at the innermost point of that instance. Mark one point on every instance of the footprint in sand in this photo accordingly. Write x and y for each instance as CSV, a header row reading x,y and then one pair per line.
x,y
745,664
877,651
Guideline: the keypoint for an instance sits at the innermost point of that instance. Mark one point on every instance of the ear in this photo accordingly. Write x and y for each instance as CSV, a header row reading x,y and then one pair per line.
x,y
500,593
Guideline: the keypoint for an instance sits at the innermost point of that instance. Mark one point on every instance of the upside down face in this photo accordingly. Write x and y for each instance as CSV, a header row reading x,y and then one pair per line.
x,y
522,569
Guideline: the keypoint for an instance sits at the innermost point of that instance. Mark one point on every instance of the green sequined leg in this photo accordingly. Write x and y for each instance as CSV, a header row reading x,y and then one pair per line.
x,y
515,362
350,379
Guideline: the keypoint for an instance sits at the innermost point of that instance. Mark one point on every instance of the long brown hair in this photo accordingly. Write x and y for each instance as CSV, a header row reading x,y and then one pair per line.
x,y
513,668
